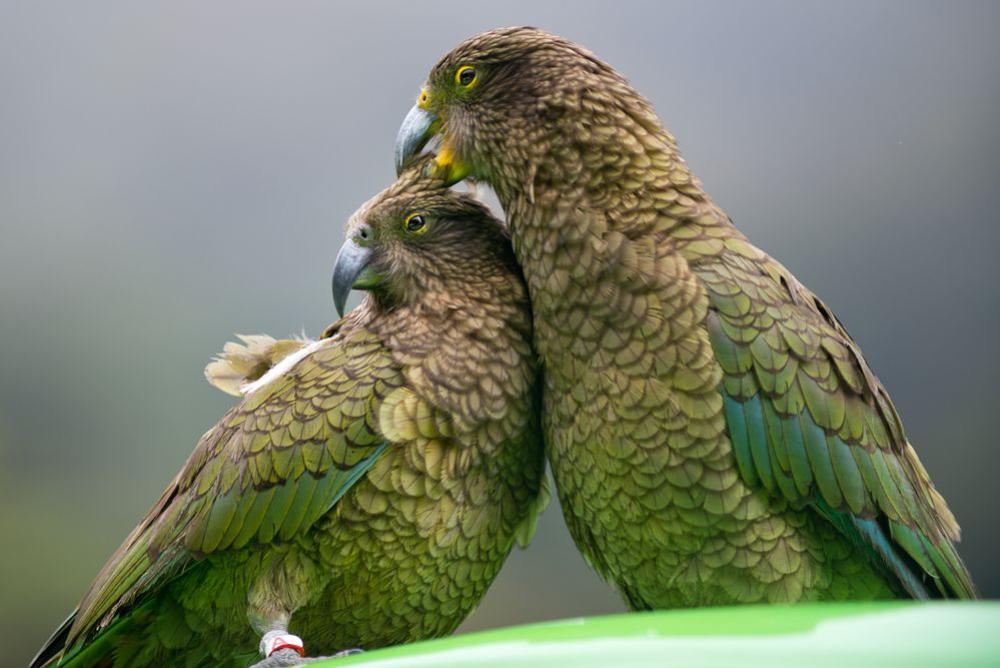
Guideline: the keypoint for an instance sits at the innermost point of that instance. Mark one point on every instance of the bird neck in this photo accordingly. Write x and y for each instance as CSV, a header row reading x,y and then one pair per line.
x,y
589,183
469,354
601,149
491,307
595,219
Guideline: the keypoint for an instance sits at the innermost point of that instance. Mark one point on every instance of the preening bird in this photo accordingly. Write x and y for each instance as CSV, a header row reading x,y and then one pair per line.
x,y
367,487
715,434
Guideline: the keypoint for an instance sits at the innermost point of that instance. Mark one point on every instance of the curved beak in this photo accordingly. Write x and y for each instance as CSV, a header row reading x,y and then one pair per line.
x,y
419,126
351,270
417,129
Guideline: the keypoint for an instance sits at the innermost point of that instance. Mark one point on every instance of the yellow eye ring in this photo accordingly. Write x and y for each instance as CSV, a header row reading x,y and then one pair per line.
x,y
415,224
466,76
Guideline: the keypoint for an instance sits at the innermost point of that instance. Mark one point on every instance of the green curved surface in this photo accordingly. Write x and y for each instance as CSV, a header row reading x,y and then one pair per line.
x,y
856,635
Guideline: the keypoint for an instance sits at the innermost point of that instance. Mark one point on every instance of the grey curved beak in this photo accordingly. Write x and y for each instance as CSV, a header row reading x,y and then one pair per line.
x,y
417,129
352,260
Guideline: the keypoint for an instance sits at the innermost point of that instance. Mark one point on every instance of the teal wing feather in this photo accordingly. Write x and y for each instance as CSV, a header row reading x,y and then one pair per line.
x,y
810,422
275,464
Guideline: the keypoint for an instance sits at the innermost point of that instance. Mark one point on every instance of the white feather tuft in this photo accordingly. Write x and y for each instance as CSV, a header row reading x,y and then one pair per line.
x,y
283,367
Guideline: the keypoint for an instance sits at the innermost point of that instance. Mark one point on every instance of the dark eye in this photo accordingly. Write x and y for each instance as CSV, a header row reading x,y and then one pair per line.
x,y
466,76
415,224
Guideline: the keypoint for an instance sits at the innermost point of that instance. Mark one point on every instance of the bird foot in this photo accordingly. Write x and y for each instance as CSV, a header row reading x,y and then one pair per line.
x,y
341,653
283,657
289,657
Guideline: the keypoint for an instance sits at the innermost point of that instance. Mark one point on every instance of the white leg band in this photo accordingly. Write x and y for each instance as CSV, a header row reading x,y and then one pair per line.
x,y
275,641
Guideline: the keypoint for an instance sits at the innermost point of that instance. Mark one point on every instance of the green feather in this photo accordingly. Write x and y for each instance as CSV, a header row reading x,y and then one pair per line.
x,y
797,458
305,488
775,439
259,500
819,461
849,479
739,436
759,449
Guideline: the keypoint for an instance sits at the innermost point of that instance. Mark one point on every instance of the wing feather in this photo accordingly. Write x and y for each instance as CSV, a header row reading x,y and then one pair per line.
x,y
255,477
809,421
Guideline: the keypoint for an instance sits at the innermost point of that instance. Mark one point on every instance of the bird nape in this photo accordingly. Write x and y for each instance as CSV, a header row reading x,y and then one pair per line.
x,y
367,487
715,434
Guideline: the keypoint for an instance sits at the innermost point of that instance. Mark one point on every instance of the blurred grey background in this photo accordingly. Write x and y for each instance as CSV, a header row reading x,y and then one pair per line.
x,y
175,172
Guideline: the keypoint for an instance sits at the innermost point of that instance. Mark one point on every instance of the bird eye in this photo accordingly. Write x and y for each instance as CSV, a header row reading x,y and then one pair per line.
x,y
465,76
415,224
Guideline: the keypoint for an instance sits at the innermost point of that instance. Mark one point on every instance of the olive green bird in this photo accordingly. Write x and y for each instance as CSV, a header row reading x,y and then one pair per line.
x,y
367,487
714,432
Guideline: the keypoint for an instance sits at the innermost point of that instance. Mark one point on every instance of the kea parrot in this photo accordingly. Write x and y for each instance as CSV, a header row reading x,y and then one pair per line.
x,y
367,487
715,435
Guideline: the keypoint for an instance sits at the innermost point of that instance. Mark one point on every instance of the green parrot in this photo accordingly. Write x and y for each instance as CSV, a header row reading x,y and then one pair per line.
x,y
715,434
367,487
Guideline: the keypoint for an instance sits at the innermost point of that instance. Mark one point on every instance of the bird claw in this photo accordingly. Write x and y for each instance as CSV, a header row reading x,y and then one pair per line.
x,y
289,657
342,653
283,657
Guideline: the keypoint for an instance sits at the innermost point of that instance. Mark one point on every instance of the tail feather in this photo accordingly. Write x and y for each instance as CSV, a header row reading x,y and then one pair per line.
x,y
897,564
918,566
953,576
54,646
97,652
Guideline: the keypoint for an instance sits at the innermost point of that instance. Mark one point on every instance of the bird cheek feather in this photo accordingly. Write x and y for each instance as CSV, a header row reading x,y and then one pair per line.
x,y
448,165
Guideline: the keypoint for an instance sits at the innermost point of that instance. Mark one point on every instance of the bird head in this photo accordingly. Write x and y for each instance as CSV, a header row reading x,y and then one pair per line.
x,y
418,240
502,99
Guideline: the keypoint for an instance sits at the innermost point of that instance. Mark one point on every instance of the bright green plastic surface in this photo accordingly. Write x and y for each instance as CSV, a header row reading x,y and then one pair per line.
x,y
846,635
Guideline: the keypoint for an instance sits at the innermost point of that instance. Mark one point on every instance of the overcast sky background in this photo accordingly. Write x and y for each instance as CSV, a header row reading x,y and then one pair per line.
x,y
175,172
